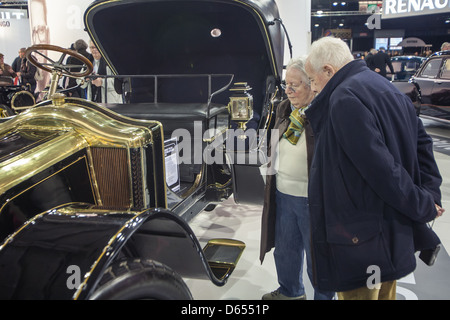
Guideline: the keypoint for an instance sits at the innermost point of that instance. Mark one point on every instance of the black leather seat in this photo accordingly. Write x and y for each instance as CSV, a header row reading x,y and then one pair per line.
x,y
172,116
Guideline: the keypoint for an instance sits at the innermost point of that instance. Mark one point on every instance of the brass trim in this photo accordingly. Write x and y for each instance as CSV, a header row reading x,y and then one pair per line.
x,y
29,146
48,177
93,177
26,165
214,137
97,128
16,95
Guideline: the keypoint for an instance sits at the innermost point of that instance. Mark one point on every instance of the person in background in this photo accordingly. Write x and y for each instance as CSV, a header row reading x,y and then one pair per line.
x,y
285,219
7,73
17,63
380,60
445,46
26,75
369,59
374,182
79,46
97,87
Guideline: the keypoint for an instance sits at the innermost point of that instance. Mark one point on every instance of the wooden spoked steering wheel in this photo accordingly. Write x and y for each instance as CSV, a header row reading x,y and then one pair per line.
x,y
59,66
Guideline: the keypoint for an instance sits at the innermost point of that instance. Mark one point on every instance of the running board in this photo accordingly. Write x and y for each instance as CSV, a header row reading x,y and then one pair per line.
x,y
223,255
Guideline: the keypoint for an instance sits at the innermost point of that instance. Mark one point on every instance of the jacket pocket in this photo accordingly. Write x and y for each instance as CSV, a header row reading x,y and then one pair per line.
x,y
354,247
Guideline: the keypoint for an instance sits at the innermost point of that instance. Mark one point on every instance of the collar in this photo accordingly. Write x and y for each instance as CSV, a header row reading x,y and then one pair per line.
x,y
318,111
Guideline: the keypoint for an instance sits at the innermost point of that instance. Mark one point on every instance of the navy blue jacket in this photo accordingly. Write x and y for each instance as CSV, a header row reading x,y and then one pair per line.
x,y
373,182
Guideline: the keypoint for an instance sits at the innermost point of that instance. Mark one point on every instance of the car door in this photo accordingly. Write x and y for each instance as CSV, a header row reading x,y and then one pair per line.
x,y
426,80
440,95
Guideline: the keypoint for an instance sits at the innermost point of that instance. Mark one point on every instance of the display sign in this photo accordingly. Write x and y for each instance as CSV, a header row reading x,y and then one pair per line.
x,y
407,8
171,162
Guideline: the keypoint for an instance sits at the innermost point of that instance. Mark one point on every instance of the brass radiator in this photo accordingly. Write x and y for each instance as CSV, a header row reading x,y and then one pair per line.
x,y
112,176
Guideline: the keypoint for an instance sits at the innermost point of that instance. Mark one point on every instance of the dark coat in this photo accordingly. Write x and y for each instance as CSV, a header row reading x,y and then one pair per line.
x,y
76,91
369,61
373,182
96,93
380,60
269,208
28,71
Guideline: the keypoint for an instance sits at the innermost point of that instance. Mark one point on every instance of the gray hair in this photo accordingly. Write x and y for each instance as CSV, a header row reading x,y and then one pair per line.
x,y
329,50
299,64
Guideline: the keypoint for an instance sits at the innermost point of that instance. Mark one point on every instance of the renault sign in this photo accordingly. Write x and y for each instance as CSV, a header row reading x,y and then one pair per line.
x,y
404,8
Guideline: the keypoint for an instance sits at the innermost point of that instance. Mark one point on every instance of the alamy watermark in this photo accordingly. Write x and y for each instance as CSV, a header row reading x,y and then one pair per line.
x,y
374,280
233,146
73,281
374,22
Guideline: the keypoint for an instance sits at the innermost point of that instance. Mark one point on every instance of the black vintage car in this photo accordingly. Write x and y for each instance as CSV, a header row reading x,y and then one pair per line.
x,y
404,67
429,87
14,99
96,199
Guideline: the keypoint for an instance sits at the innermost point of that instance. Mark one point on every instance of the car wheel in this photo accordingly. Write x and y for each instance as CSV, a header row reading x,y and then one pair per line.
x,y
141,280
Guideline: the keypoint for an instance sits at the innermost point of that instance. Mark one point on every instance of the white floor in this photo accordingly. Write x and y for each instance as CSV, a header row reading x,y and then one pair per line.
x,y
251,280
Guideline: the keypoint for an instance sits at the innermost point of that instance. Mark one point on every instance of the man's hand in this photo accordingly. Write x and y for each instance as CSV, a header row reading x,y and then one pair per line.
x,y
97,82
439,210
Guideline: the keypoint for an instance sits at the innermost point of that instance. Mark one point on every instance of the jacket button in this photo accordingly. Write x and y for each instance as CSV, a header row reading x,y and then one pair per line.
x,y
355,240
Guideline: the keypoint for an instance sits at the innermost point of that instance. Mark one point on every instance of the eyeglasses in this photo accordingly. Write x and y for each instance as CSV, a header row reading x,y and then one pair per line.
x,y
292,88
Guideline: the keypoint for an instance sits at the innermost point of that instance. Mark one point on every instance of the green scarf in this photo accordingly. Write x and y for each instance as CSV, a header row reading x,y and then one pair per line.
x,y
296,127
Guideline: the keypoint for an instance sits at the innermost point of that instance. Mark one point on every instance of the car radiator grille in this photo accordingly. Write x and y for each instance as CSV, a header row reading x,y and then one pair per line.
x,y
112,176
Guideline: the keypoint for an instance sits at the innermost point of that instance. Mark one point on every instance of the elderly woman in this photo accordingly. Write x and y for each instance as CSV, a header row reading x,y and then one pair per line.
x,y
285,221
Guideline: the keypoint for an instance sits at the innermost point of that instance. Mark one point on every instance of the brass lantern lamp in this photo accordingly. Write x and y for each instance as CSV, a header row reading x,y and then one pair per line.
x,y
240,106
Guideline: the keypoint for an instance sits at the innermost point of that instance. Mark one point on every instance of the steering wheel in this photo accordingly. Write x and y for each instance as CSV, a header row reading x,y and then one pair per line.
x,y
64,69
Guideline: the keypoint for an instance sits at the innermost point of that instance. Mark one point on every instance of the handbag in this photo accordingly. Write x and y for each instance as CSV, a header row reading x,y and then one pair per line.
x,y
427,242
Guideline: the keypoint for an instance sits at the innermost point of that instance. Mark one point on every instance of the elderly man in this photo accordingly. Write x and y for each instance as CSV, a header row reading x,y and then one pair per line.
x,y
374,182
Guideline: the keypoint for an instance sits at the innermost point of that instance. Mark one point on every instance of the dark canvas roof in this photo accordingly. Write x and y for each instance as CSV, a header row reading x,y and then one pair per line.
x,y
174,36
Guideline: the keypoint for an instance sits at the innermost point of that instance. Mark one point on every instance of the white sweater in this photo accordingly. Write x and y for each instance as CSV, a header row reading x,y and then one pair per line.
x,y
292,174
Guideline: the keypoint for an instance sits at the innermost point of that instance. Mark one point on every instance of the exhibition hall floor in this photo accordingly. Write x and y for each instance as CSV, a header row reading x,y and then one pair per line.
x,y
251,280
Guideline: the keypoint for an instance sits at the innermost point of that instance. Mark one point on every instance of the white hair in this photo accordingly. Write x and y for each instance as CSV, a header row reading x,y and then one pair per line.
x,y
329,50
299,64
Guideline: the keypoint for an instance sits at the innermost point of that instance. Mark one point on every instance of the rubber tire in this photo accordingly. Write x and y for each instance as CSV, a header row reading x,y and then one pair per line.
x,y
136,279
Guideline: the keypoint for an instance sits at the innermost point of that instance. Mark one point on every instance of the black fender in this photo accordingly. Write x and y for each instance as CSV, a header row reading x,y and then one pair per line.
x,y
63,253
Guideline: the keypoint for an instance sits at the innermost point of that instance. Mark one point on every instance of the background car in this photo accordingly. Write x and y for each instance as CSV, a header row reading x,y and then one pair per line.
x,y
404,67
429,88
433,84
14,99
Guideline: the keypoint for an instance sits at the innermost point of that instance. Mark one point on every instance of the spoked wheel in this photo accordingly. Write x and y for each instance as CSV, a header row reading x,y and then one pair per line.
x,y
50,65
141,280
58,68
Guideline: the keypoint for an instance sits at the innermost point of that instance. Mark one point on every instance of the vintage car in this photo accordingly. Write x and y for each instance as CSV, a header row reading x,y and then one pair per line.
x,y
14,99
96,199
429,87
404,67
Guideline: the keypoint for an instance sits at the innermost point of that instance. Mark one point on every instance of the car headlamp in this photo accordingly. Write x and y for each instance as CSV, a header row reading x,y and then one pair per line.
x,y
240,106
